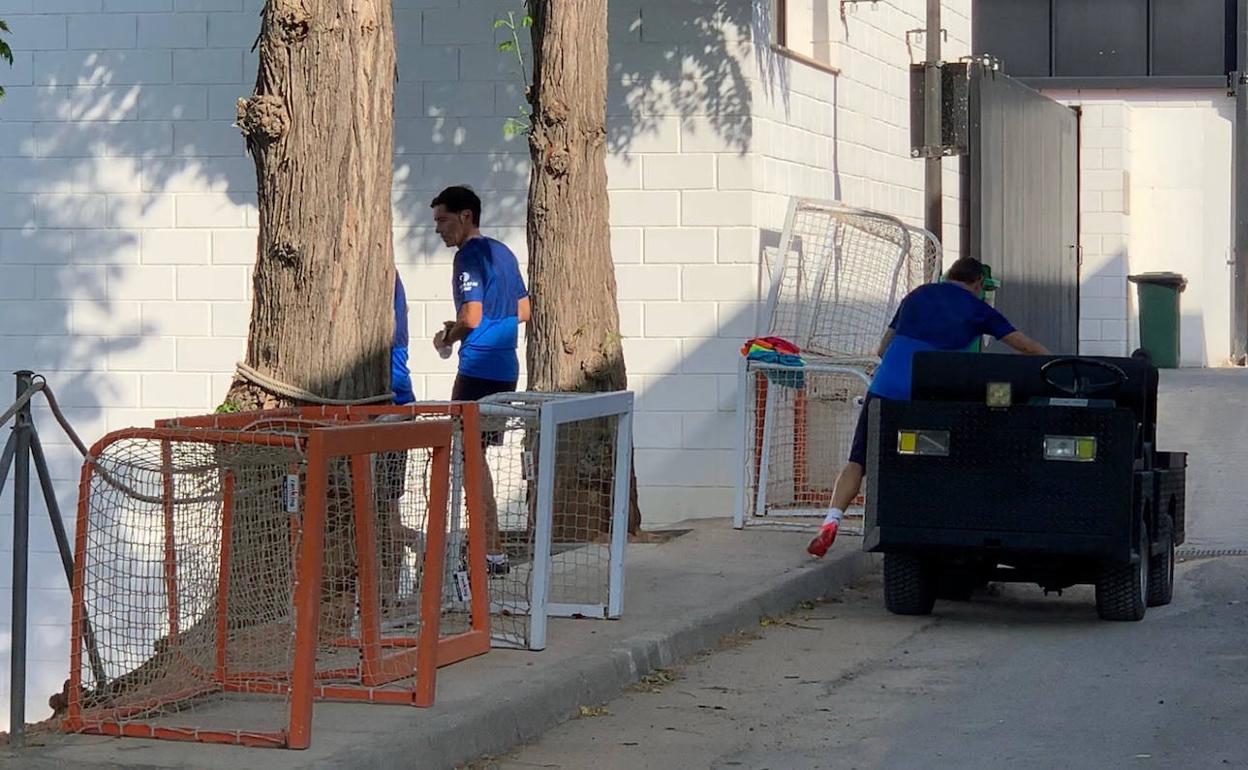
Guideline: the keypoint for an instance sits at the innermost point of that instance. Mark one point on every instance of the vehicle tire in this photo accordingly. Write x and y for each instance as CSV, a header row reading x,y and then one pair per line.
x,y
909,585
1122,589
1161,567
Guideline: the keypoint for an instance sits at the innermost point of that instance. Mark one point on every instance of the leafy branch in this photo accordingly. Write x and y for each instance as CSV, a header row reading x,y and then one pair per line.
x,y
516,126
6,53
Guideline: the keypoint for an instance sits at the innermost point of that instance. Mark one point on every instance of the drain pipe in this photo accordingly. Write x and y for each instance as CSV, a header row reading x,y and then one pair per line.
x,y
1239,276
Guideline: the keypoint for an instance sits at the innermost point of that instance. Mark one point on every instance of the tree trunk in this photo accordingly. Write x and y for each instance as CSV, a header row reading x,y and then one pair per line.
x,y
320,128
573,338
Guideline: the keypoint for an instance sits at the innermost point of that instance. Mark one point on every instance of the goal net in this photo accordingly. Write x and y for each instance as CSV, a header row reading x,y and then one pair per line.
x,y
798,425
560,466
839,275
229,577
563,525
836,281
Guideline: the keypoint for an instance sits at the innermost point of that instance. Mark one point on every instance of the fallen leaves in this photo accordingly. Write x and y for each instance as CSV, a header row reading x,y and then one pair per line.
x,y
656,680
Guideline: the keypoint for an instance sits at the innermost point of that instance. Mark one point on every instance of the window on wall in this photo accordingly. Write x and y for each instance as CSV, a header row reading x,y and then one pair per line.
x,y
806,30
1118,43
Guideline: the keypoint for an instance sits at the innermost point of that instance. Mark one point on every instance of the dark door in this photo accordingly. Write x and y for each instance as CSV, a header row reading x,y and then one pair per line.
x,y
1022,195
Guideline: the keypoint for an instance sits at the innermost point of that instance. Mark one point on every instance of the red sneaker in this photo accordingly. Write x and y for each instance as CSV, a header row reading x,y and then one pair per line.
x,y
823,541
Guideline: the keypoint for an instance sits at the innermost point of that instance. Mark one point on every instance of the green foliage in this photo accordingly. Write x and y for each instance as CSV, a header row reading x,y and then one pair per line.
x,y
514,126
229,407
6,53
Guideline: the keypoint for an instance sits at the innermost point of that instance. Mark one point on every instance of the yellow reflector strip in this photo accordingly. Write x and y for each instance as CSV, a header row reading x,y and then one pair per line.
x,y
1087,449
907,442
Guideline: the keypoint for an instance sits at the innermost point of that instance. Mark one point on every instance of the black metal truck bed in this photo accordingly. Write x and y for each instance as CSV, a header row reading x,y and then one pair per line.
x,y
995,489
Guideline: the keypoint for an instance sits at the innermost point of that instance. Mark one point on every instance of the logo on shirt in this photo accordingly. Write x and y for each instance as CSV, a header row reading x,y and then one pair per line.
x,y
466,284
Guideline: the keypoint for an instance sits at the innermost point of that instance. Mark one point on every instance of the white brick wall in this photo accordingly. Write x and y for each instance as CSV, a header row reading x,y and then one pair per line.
x,y
1156,195
128,216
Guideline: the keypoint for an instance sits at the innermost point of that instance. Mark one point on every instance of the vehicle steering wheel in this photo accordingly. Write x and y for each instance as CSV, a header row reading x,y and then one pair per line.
x,y
1083,387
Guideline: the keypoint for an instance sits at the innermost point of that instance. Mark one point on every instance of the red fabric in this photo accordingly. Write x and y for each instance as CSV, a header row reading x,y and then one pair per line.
x,y
749,345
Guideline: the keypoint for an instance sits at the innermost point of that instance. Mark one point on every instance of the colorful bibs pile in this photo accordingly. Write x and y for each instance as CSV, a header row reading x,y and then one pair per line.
x,y
776,350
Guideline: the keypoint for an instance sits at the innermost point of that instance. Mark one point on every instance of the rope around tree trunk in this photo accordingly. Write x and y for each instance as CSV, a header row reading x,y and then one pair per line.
x,y
263,380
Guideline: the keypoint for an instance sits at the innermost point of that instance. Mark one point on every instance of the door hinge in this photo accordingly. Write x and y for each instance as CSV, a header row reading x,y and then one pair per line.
x,y
1234,80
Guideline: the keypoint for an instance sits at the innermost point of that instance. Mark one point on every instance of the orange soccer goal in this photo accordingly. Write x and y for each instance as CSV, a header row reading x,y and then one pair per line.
x,y
226,577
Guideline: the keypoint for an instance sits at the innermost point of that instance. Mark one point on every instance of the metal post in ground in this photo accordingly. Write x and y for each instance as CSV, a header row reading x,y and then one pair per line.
x,y
62,543
933,164
1239,273
22,428
6,459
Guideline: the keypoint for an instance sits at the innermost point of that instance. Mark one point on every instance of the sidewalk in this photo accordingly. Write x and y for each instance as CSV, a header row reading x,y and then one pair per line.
x,y
681,597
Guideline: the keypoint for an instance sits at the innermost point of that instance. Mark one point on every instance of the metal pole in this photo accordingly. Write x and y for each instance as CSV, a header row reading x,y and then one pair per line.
x,y
6,459
1239,277
933,163
21,545
62,543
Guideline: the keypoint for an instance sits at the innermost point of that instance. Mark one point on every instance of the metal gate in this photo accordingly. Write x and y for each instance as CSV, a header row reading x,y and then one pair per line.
x,y
1021,192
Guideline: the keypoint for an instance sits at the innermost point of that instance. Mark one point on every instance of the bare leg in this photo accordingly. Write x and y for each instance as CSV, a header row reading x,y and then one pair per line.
x,y
843,493
848,484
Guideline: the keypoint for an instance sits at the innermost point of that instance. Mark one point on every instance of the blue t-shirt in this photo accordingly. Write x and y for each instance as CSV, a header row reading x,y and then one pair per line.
x,y
486,271
935,316
400,376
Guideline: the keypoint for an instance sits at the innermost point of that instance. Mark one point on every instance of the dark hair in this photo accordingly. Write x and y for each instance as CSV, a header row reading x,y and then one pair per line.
x,y
965,270
459,198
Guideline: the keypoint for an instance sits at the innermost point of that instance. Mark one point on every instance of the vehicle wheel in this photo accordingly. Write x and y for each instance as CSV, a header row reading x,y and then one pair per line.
x,y
1161,568
909,587
1122,589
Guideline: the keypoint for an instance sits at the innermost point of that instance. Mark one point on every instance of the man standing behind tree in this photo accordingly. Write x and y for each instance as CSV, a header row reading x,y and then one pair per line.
x,y
491,302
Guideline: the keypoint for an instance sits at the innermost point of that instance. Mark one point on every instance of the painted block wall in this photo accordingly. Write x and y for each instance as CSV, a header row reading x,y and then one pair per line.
x,y
128,214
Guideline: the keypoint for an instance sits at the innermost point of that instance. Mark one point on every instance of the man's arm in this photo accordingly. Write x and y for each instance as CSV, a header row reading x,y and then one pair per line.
x,y
524,310
992,322
469,319
1024,344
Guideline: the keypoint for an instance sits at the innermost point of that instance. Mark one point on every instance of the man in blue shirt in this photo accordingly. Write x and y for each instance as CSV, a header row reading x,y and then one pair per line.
x,y
491,302
400,375
935,316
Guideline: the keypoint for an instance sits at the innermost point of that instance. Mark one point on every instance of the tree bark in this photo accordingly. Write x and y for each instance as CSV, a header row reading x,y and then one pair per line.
x,y
573,337
320,128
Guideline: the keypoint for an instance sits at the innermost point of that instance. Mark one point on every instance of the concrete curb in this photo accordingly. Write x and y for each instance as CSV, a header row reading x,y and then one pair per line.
x,y
555,697
511,716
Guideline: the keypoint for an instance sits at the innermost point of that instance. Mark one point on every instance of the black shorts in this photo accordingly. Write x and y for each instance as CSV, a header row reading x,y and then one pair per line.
x,y
858,450
469,388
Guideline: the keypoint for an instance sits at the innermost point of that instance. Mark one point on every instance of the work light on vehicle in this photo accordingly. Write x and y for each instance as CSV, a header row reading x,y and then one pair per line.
x,y
1000,395
1070,448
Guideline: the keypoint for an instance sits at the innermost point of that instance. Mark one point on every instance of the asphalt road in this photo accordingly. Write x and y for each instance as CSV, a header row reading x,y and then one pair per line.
x,y
1202,412
1011,679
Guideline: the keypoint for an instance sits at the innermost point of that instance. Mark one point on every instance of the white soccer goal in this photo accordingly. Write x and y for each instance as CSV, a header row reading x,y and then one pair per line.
x,y
840,273
560,466
837,278
794,432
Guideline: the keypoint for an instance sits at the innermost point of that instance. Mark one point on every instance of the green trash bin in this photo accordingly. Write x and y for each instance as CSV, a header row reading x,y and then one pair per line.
x,y
1159,315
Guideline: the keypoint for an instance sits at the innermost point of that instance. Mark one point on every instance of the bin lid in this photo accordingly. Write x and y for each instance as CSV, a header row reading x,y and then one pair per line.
x,y
1173,280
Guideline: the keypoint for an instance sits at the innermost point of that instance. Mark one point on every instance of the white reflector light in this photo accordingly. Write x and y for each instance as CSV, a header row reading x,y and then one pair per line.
x,y
1078,449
